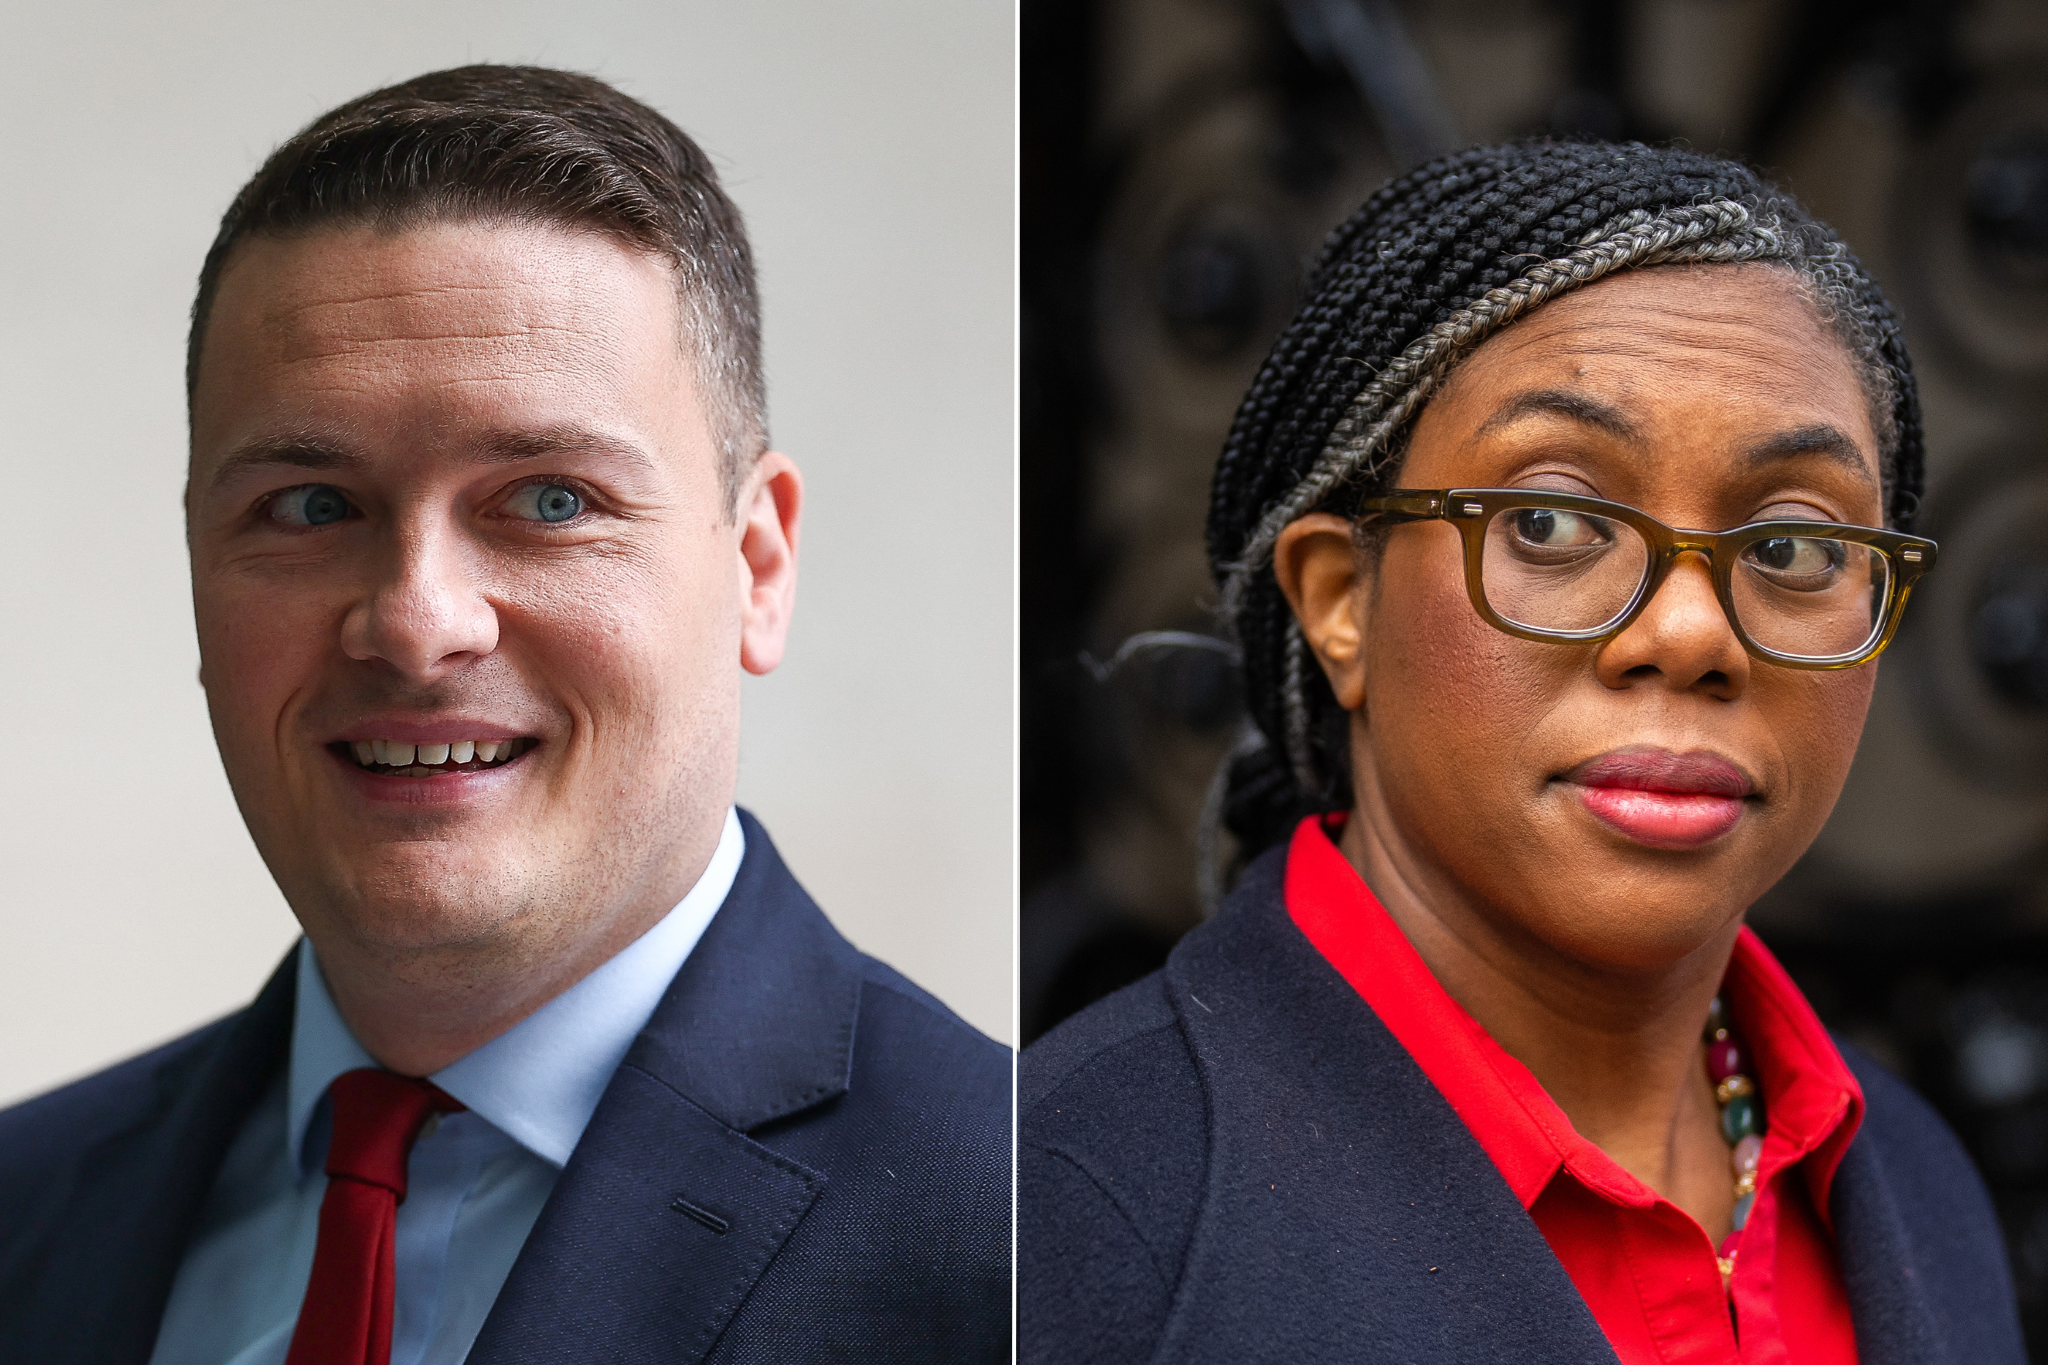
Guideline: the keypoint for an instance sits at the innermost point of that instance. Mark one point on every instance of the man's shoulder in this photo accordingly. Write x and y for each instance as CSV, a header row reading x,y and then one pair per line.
x,y
775,963
56,1183
49,1129
907,1248
930,1047
919,1068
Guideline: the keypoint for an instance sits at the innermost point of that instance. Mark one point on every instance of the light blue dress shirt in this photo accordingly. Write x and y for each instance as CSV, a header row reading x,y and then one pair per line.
x,y
476,1180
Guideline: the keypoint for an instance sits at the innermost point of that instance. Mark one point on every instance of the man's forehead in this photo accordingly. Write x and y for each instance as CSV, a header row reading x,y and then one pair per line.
x,y
460,345
474,324
458,283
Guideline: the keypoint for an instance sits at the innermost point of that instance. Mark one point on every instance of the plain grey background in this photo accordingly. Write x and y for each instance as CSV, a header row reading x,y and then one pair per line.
x,y
871,147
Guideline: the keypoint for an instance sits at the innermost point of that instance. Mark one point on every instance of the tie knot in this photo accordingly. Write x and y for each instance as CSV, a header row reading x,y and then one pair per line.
x,y
377,1115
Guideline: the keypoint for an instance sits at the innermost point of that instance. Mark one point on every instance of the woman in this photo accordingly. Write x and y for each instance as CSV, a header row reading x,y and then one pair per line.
x,y
1478,1062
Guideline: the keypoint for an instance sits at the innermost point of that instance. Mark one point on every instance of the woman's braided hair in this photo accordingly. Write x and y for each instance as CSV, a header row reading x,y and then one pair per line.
x,y
1431,266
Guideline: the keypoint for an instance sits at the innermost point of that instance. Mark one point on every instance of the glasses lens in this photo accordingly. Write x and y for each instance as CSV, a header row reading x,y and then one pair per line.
x,y
1549,569
1809,596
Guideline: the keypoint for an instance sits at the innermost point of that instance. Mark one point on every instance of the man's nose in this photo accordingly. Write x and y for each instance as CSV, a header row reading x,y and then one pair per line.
x,y
424,610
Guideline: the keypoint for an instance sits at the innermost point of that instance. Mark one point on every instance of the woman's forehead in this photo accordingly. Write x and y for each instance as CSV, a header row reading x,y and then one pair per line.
x,y
1739,350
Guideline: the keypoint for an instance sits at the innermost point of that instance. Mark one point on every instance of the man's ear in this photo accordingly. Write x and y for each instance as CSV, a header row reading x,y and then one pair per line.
x,y
1317,566
770,508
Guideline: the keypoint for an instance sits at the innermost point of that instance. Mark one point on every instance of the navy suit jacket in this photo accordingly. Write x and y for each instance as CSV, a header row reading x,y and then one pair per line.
x,y
803,1157
1233,1160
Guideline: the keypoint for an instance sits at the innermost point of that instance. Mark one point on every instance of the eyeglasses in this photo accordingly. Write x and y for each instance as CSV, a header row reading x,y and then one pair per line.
x,y
1555,566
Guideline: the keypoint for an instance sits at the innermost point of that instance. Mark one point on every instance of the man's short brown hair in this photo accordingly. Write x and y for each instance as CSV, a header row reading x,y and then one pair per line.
x,y
527,144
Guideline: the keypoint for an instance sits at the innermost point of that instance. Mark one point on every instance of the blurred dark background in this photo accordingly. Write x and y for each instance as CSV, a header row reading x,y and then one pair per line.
x,y
1182,159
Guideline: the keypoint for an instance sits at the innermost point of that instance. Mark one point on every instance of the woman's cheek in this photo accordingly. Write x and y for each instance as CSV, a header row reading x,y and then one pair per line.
x,y
1451,704
1817,720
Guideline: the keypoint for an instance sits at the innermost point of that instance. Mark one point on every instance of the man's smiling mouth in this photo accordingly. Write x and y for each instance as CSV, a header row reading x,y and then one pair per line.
x,y
394,758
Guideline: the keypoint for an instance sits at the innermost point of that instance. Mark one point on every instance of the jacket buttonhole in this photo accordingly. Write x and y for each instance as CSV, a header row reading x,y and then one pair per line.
x,y
701,1215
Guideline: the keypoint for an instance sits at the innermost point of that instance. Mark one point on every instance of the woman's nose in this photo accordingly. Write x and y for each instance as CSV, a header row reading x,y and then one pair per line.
x,y
1682,638
424,612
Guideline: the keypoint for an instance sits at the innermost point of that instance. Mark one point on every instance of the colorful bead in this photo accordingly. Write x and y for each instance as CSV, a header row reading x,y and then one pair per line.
x,y
1742,1126
1740,1119
1746,1154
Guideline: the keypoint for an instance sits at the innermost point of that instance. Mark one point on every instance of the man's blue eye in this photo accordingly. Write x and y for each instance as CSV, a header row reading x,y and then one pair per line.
x,y
315,505
549,502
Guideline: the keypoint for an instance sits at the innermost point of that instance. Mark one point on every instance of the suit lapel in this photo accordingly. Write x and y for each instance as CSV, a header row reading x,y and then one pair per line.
x,y
662,1222
108,1273
668,1212
1350,1215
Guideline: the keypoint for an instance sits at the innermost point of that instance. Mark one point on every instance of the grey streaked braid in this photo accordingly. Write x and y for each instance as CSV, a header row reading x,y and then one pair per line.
x,y
1428,269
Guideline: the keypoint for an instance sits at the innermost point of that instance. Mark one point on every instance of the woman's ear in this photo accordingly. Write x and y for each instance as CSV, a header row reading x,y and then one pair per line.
x,y
1318,568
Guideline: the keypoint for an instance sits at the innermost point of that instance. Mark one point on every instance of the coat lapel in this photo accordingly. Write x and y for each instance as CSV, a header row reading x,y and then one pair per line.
x,y
107,1273
669,1211
1887,1300
1350,1215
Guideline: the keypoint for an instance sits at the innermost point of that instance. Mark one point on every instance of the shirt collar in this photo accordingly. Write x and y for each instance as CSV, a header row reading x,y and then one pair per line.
x,y
540,1080
1812,1102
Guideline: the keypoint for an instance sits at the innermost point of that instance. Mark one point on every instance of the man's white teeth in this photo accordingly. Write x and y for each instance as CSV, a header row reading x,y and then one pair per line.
x,y
389,753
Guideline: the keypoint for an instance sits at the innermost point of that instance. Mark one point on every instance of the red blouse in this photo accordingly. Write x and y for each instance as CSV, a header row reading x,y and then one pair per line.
x,y
1644,1266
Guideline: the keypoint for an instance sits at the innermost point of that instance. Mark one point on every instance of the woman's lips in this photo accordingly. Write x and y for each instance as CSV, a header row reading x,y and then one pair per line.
x,y
1663,799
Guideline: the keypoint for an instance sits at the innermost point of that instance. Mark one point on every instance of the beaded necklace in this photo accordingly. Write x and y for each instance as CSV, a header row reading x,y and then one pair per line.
x,y
1742,1122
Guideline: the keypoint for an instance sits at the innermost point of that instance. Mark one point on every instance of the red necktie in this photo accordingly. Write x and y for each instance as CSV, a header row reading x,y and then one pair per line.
x,y
346,1316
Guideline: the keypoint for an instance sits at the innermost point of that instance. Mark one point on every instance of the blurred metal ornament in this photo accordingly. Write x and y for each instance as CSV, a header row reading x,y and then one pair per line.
x,y
1370,41
1971,218
1979,653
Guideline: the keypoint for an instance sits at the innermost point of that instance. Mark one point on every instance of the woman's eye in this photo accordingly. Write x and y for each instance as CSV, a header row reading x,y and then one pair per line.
x,y
1556,530
548,502
1797,555
316,504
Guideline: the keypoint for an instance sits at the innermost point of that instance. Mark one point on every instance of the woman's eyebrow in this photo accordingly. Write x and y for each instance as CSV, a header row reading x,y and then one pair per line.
x,y
1578,407
1816,439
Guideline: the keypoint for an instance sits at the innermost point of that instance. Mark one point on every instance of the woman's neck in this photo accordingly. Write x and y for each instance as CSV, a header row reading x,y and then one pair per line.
x,y
1619,1051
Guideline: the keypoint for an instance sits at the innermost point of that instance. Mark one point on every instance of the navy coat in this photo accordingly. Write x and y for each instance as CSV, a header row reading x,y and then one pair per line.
x,y
1233,1160
803,1157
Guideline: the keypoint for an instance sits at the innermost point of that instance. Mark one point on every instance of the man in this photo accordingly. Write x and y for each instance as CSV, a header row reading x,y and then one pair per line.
x,y
567,1067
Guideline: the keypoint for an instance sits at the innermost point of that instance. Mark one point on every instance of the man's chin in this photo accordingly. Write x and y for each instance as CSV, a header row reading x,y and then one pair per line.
x,y
416,898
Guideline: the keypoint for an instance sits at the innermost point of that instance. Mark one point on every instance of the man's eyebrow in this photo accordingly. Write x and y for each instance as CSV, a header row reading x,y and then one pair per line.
x,y
513,447
505,447
1817,439
1578,407
296,452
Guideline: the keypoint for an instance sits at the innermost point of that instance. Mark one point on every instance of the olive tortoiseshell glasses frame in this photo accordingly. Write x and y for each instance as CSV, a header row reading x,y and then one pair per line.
x,y
1472,510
